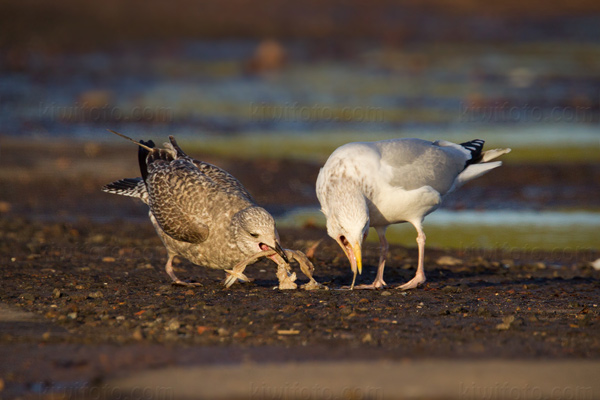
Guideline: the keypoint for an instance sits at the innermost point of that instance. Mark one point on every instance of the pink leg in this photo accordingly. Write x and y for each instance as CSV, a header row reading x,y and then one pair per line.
x,y
176,280
379,283
420,275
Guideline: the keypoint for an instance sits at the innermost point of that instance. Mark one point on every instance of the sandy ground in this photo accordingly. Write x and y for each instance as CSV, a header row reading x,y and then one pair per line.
x,y
86,309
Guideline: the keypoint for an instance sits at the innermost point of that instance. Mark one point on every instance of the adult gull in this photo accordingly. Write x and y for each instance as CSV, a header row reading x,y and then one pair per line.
x,y
376,184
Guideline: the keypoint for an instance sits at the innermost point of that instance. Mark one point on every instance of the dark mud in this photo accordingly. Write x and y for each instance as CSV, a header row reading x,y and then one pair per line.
x,y
89,268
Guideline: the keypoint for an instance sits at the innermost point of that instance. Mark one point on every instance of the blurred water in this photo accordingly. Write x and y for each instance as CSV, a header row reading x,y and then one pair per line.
x,y
533,92
301,102
484,229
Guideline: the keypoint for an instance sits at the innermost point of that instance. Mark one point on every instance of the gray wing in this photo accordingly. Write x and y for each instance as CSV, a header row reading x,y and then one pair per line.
x,y
179,197
414,163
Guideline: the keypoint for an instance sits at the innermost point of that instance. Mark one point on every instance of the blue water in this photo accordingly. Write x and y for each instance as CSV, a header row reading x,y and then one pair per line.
x,y
532,91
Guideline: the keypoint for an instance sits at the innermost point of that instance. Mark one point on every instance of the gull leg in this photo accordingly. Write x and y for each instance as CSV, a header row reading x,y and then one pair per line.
x,y
176,280
379,283
420,275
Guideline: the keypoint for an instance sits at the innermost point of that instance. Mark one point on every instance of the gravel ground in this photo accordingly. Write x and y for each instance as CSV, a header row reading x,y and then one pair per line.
x,y
85,300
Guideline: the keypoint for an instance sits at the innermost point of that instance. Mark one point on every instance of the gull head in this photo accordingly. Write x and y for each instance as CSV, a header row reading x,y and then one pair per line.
x,y
348,225
254,231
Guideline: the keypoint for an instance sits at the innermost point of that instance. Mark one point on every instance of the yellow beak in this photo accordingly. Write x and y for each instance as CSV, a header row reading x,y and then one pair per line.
x,y
358,257
354,255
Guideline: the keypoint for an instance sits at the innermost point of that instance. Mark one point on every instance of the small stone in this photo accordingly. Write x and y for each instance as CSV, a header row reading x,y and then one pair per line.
x,y
46,335
241,334
484,312
451,289
173,325
222,332
96,295
506,323
28,297
386,293
288,332
367,338
72,315
540,265
108,259
584,319
137,334
5,206
202,329
460,310
346,311
449,260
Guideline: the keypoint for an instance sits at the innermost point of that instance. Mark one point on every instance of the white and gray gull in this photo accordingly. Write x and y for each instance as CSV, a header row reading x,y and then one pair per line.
x,y
200,211
376,184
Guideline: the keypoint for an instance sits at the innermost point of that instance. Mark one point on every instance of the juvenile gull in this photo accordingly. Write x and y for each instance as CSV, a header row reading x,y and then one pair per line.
x,y
381,183
200,211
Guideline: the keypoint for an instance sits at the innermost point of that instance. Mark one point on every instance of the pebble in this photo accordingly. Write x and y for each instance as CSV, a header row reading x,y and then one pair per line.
x,y
28,296
96,295
222,332
451,289
137,334
509,322
367,338
173,325
449,260
484,312
56,293
386,293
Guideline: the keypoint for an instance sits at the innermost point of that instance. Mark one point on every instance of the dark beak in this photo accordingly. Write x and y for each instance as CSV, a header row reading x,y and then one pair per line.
x,y
279,250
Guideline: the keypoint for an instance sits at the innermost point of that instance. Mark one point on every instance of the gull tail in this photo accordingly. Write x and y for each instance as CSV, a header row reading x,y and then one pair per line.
x,y
492,154
132,187
479,163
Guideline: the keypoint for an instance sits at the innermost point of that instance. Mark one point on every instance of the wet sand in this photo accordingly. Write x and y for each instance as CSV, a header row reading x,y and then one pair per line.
x,y
85,299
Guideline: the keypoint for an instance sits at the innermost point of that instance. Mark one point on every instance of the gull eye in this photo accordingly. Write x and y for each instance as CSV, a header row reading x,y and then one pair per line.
x,y
254,235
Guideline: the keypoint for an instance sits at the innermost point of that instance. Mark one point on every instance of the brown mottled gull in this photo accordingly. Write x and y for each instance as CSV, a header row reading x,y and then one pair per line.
x,y
381,183
200,211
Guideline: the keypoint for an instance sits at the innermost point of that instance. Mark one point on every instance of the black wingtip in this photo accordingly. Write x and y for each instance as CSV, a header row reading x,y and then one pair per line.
x,y
475,147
